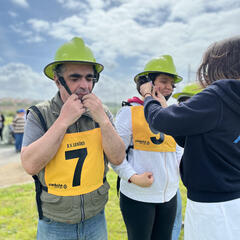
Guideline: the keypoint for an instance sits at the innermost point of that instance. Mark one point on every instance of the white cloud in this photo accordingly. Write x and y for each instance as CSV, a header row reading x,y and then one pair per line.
x,y
19,28
30,36
12,14
73,4
66,28
39,25
35,39
21,3
139,30
133,28
20,81
110,89
88,4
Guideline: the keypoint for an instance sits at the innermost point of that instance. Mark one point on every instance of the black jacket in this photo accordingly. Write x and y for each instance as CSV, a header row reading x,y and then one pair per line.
x,y
208,127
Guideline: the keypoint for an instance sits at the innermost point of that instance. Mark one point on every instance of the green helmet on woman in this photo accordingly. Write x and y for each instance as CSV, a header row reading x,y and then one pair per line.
x,y
162,64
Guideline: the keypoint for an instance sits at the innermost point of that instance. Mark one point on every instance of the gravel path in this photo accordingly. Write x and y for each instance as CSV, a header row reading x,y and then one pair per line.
x,y
11,170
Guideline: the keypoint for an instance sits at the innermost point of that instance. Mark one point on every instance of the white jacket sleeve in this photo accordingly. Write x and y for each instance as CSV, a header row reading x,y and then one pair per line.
x,y
123,126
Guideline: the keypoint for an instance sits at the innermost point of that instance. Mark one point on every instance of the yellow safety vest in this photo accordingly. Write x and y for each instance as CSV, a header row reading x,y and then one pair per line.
x,y
78,166
144,139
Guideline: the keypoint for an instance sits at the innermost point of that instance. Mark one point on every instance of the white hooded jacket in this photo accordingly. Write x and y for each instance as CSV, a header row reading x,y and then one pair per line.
x,y
163,165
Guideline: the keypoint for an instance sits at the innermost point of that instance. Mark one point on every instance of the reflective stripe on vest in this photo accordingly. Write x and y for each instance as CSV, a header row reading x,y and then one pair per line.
x,y
144,139
78,166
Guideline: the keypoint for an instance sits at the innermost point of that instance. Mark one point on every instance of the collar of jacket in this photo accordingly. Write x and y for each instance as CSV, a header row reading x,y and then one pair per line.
x,y
57,103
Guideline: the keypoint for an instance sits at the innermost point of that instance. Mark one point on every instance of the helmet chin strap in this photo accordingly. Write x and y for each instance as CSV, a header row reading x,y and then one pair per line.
x,y
64,84
167,97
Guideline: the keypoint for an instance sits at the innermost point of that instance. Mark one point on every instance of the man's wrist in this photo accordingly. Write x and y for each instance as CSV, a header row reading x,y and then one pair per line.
x,y
61,124
105,123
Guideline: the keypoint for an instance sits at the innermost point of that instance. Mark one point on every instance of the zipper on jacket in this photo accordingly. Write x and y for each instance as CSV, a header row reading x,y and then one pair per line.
x,y
165,163
81,196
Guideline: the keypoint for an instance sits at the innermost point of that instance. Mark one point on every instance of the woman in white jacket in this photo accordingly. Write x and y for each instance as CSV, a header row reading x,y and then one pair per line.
x,y
150,172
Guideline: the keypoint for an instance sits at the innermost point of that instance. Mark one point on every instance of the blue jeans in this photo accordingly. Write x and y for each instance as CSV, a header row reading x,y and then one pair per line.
x,y
18,141
94,228
178,220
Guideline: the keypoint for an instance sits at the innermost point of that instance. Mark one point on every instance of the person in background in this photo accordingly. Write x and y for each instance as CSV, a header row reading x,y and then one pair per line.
x,y
187,92
68,142
150,172
2,119
18,129
210,134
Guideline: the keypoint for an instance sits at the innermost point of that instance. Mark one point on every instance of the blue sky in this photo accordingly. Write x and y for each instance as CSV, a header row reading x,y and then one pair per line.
x,y
123,34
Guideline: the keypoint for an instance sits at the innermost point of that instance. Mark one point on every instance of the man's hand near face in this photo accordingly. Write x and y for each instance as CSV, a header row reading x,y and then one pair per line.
x,y
94,105
72,110
113,145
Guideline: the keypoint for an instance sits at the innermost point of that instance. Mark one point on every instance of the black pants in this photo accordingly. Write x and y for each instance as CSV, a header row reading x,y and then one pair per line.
x,y
148,221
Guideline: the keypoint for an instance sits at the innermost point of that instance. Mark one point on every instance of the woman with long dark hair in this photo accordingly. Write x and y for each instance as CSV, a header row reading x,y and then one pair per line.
x,y
209,131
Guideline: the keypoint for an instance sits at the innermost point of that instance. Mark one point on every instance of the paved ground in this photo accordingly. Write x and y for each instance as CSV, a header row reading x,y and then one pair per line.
x,y
11,171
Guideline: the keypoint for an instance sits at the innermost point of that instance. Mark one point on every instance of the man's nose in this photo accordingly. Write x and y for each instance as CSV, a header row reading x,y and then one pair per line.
x,y
83,83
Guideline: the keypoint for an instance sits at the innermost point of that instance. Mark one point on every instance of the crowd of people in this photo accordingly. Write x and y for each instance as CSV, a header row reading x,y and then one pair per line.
x,y
70,140
14,132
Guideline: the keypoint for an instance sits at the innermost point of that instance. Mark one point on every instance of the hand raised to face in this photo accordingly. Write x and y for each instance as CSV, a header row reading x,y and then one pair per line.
x,y
94,105
72,110
156,94
146,88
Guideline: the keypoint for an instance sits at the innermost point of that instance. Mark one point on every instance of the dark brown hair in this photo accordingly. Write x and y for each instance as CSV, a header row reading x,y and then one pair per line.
x,y
220,61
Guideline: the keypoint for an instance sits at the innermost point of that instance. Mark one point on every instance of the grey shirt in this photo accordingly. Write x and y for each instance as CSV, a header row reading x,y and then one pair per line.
x,y
33,130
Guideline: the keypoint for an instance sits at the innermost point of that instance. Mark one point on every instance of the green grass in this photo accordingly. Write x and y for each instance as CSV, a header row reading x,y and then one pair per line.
x,y
18,214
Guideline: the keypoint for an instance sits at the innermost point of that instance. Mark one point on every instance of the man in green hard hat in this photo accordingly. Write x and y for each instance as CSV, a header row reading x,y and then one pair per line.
x,y
68,142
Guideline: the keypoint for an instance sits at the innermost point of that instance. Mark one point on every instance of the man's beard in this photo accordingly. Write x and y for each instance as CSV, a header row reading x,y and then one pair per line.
x,y
81,92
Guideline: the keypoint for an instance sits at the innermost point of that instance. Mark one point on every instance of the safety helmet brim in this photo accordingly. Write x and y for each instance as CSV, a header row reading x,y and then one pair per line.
x,y
188,91
177,78
49,69
182,94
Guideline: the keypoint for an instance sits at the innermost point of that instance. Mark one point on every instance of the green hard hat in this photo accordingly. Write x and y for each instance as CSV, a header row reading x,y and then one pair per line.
x,y
74,51
188,91
162,64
